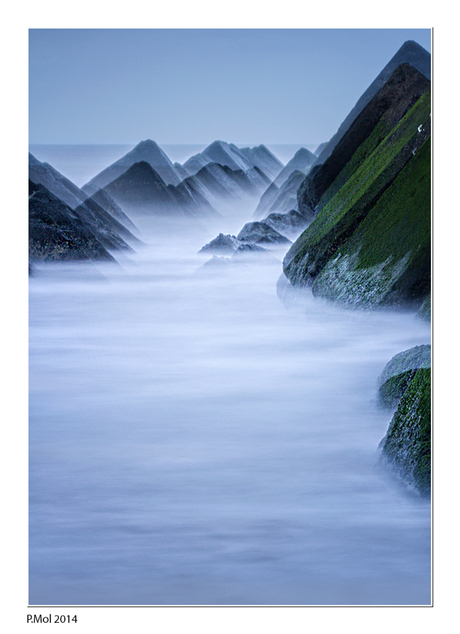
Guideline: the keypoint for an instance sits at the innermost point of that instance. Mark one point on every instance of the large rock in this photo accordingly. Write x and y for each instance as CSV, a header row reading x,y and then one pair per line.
x,y
106,221
409,53
373,124
147,151
57,233
369,244
141,190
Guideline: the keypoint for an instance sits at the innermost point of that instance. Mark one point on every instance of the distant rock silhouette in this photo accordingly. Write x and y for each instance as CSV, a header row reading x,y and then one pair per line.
x,y
145,151
142,190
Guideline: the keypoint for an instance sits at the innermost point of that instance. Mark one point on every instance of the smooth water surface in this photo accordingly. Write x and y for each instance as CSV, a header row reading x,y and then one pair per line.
x,y
194,439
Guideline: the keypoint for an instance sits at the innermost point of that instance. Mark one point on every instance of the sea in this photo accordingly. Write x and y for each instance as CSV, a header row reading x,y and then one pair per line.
x,y
201,433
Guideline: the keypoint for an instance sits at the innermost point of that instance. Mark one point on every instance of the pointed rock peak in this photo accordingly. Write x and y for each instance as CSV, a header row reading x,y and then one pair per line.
x,y
303,152
215,144
412,53
142,168
148,143
412,45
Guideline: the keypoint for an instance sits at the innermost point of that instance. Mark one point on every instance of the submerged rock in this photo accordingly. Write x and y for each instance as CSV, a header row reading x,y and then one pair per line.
x,y
406,448
223,243
399,372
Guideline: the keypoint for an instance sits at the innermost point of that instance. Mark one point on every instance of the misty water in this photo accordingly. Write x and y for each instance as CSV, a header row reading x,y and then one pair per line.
x,y
194,439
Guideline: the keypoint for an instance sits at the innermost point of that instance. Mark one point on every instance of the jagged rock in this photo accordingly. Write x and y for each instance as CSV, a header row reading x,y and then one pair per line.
x,y
386,108
286,196
223,243
217,261
261,232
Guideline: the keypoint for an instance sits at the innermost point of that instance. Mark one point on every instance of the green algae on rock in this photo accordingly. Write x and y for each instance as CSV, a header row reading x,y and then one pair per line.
x,y
399,372
370,241
406,448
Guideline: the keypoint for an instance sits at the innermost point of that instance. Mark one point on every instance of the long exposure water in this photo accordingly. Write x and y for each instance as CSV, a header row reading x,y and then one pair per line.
x,y
195,439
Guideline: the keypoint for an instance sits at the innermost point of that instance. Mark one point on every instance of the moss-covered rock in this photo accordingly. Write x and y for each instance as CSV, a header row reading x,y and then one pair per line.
x,y
406,448
399,372
371,243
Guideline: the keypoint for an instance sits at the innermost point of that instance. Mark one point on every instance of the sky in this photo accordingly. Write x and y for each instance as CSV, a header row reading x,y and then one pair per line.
x,y
193,86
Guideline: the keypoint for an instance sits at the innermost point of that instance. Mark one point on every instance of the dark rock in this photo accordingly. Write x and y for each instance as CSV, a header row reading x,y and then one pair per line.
x,y
57,233
145,151
108,229
281,194
286,197
409,53
141,190
386,108
222,153
370,243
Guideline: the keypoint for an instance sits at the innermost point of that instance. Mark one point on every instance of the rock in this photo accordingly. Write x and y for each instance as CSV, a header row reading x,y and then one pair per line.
x,y
302,160
142,191
290,224
409,53
370,242
373,124
217,261
108,228
223,243
406,448
265,160
261,232
57,233
147,151
249,251
424,312
399,372
228,155
281,194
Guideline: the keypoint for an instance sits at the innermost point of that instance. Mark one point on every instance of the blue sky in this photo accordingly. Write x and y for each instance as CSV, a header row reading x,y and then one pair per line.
x,y
197,85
